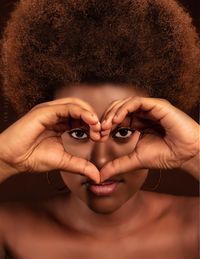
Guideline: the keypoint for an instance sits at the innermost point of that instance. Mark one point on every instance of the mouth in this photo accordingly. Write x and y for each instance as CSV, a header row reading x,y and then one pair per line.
x,y
105,188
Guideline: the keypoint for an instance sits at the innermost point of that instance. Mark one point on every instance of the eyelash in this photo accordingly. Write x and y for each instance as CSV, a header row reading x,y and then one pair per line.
x,y
113,135
78,130
122,128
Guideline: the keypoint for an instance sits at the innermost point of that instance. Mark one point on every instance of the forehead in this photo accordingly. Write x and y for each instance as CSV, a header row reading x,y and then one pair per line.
x,y
98,96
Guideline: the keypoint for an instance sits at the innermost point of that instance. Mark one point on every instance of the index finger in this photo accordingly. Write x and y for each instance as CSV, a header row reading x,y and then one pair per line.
x,y
67,100
156,109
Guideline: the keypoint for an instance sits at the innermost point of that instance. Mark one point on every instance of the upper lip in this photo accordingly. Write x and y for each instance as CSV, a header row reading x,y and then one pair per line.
x,y
89,181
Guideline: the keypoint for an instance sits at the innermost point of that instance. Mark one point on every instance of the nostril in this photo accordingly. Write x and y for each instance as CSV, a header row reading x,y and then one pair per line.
x,y
100,162
100,154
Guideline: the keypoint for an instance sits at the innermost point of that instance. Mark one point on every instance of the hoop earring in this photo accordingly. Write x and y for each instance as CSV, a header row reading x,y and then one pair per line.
x,y
63,189
158,183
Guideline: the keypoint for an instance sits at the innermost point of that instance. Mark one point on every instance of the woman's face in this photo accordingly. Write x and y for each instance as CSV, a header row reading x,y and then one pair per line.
x,y
121,142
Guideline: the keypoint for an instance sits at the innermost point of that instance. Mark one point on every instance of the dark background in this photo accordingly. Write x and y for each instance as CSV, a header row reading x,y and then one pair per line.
x,y
35,186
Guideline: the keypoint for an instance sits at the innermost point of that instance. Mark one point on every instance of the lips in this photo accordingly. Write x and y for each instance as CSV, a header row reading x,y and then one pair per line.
x,y
104,189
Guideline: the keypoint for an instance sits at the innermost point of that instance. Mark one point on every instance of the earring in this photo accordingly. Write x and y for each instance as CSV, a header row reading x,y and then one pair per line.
x,y
158,182
63,189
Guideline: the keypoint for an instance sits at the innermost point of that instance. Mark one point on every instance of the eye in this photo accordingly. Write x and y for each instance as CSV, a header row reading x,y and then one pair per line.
x,y
122,133
78,134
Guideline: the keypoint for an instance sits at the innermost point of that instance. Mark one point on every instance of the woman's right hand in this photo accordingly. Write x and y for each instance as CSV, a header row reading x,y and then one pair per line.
x,y
33,143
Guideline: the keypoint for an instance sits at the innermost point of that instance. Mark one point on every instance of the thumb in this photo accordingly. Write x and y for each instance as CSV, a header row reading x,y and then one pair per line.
x,y
70,163
120,165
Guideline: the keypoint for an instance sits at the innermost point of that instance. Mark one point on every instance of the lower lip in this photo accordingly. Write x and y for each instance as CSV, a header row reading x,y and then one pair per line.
x,y
104,189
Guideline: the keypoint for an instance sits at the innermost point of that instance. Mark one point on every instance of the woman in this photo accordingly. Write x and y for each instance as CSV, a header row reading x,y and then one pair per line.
x,y
94,75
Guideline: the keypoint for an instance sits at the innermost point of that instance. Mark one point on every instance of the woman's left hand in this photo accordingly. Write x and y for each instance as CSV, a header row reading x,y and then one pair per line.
x,y
175,146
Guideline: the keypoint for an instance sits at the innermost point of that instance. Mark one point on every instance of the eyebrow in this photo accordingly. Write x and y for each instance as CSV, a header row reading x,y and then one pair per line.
x,y
126,123
77,123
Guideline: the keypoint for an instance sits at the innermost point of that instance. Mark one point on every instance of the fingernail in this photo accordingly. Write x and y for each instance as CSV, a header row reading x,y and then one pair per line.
x,y
103,138
96,136
94,116
109,120
116,117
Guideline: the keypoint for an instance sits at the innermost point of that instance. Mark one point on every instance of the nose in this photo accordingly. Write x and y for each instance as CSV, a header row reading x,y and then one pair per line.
x,y
101,154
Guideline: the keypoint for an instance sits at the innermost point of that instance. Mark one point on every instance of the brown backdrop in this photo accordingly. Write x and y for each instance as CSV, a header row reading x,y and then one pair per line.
x,y
35,186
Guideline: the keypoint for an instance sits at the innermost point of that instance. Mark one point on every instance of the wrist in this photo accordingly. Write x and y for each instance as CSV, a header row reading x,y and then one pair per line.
x,y
192,166
6,170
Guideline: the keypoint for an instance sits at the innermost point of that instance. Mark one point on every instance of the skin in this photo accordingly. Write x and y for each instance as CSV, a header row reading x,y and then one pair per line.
x,y
145,224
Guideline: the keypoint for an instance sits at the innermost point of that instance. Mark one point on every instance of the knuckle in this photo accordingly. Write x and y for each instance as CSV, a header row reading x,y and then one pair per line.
x,y
37,107
116,164
65,162
136,98
37,110
115,101
85,166
165,101
73,106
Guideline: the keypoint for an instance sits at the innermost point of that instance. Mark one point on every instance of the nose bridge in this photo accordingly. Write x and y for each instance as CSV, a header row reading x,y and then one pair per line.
x,y
101,154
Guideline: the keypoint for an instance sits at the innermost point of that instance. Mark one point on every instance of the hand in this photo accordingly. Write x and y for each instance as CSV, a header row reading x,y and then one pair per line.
x,y
171,140
33,143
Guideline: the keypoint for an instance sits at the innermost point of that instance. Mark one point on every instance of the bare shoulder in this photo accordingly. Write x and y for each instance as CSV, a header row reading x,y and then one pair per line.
x,y
26,213
178,218
20,211
21,217
182,208
185,205
186,209
9,217
2,235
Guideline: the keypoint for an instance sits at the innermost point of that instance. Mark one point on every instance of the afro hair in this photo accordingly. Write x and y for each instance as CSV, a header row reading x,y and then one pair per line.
x,y
149,44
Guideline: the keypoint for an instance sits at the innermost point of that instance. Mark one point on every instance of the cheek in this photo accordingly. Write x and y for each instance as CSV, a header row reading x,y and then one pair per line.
x,y
72,181
75,147
125,148
112,149
136,179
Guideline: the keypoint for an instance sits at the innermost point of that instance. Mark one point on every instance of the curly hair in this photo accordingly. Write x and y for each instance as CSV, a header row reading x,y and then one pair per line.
x,y
149,44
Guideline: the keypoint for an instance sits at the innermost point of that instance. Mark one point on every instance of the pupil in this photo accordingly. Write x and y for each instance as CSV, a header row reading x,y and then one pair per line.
x,y
79,133
123,132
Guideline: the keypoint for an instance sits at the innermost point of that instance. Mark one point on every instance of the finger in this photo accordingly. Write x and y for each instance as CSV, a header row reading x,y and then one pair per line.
x,y
45,119
85,115
95,135
48,116
171,121
81,121
105,132
110,108
107,124
67,100
80,166
120,165
157,109
67,125
104,135
96,127
60,127
108,116
103,139
74,111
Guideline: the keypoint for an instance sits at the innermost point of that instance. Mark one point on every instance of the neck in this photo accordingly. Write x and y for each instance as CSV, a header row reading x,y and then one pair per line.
x,y
128,217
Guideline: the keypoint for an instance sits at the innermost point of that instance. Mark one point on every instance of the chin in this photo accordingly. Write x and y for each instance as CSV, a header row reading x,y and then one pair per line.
x,y
105,205
104,210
